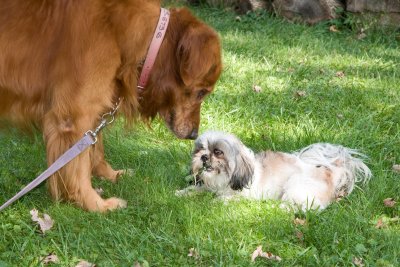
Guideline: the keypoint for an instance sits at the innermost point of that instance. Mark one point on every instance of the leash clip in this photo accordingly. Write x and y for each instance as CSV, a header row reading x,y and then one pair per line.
x,y
106,119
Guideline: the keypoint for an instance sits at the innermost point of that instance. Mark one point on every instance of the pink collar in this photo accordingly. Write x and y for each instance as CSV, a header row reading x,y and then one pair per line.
x,y
155,44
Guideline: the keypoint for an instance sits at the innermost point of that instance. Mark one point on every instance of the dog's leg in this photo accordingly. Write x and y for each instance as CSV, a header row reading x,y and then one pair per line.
x,y
101,167
190,191
73,182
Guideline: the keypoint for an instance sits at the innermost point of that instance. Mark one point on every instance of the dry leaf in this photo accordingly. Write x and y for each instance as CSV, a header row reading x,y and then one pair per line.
x,y
44,223
361,36
137,264
86,264
340,74
290,69
193,253
298,221
380,224
389,202
358,262
299,94
268,255
257,88
333,28
51,258
256,253
396,168
300,235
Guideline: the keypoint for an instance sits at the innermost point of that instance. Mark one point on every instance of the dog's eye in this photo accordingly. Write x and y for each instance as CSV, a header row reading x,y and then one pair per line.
x,y
201,93
218,152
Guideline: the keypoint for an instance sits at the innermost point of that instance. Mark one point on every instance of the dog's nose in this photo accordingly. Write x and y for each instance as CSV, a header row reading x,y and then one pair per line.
x,y
193,135
204,158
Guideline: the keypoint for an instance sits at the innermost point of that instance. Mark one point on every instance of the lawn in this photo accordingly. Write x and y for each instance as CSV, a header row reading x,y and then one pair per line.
x,y
316,85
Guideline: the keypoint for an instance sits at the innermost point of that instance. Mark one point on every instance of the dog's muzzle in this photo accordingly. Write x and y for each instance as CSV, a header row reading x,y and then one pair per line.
x,y
206,163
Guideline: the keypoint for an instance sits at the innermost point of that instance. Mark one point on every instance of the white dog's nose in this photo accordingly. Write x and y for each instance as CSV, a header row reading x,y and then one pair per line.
x,y
204,157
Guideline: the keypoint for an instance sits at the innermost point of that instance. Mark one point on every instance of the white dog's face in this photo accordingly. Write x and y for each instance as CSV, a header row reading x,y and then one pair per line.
x,y
221,162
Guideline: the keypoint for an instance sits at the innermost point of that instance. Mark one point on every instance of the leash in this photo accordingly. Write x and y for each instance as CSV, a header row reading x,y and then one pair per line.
x,y
89,139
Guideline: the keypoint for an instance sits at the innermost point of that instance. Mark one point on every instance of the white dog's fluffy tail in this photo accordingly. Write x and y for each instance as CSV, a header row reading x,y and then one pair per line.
x,y
345,160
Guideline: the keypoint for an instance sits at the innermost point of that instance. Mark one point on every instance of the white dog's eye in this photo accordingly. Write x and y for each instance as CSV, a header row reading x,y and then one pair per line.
x,y
218,152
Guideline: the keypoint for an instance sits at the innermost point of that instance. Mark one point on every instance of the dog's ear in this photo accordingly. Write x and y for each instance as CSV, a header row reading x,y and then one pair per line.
x,y
243,171
198,53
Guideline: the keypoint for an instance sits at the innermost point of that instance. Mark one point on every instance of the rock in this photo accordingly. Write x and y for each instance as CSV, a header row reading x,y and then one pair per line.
x,y
308,11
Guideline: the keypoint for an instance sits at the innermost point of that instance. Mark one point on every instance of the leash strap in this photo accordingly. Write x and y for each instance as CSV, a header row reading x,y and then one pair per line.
x,y
155,44
69,155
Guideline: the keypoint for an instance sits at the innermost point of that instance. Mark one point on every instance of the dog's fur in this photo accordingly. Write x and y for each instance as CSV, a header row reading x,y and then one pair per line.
x,y
310,178
64,63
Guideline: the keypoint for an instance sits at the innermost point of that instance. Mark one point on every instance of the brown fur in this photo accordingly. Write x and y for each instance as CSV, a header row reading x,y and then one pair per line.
x,y
64,63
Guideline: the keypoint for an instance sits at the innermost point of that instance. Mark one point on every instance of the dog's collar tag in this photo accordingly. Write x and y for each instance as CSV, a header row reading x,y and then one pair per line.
x,y
155,45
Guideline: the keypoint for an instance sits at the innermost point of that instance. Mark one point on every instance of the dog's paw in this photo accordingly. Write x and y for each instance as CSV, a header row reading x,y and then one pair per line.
x,y
180,193
114,203
127,172
189,191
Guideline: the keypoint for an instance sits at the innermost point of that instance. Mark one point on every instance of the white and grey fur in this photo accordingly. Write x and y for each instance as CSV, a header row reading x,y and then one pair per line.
x,y
310,178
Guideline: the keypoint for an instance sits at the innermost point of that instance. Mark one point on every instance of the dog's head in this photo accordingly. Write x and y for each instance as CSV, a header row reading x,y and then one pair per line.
x,y
221,161
186,69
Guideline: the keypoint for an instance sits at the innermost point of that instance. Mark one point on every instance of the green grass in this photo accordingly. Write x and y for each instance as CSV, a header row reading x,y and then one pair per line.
x,y
360,110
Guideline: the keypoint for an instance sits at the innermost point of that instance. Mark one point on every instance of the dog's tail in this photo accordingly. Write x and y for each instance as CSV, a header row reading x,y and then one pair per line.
x,y
349,163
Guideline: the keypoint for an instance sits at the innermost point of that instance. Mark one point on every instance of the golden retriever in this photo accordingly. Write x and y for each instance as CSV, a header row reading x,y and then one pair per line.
x,y
64,63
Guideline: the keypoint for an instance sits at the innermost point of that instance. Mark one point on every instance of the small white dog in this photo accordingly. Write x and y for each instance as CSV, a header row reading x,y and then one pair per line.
x,y
311,178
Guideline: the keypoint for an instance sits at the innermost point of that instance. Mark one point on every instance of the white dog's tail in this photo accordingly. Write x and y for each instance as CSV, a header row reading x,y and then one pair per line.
x,y
338,158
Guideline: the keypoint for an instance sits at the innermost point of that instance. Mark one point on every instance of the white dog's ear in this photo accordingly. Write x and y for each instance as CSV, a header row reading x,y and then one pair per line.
x,y
243,171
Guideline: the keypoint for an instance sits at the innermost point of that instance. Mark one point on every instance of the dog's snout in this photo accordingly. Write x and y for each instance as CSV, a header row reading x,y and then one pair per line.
x,y
193,135
204,157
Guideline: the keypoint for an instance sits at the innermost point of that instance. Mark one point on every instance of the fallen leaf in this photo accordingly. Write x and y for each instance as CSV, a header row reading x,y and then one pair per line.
x,y
358,262
290,69
256,253
298,221
380,224
268,255
51,258
361,36
44,223
396,168
193,253
340,74
257,88
300,235
299,94
333,28
238,18
143,263
86,264
389,202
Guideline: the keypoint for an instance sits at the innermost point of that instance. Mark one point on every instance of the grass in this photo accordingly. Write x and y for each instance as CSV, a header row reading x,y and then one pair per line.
x,y
304,99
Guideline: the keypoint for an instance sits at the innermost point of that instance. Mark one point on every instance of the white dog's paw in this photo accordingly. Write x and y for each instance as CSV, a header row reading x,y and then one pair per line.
x,y
180,193
189,191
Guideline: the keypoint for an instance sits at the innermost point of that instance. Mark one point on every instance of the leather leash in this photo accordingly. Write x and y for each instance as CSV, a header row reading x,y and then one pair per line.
x,y
90,138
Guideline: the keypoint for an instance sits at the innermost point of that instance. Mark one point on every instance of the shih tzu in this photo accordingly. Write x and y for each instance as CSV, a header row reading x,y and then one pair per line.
x,y
311,178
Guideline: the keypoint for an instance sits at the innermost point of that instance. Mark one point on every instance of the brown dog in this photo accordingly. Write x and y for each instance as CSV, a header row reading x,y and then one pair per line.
x,y
64,63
